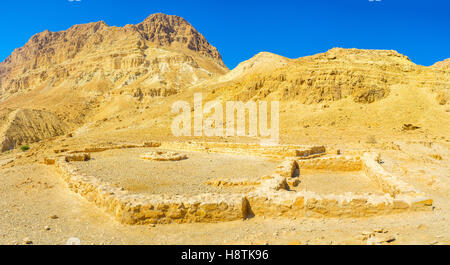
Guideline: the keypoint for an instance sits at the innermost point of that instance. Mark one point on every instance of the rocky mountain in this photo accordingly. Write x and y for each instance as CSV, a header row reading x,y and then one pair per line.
x,y
260,63
72,73
168,31
164,54
95,78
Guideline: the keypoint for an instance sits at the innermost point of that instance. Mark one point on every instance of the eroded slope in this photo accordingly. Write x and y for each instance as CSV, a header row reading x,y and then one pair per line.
x,y
24,126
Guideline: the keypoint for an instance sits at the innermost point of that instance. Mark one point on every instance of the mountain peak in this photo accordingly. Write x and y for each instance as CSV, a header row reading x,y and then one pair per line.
x,y
163,30
160,45
162,16
175,31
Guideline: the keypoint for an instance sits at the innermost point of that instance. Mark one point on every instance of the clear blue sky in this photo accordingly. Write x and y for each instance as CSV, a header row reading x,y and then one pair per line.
x,y
240,29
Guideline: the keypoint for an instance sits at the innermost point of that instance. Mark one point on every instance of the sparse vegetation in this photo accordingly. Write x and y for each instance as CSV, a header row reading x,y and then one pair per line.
x,y
24,148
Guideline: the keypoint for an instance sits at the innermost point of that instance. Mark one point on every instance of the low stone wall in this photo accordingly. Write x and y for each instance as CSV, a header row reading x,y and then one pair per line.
x,y
299,204
232,182
310,204
387,182
145,209
281,151
77,157
288,168
49,161
164,156
333,163
102,148
281,178
307,153
271,198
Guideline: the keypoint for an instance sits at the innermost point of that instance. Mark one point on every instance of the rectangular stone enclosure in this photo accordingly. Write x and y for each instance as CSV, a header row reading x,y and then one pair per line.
x,y
279,193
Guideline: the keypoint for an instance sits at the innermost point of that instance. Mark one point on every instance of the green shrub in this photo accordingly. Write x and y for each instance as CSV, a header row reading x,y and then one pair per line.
x,y
25,148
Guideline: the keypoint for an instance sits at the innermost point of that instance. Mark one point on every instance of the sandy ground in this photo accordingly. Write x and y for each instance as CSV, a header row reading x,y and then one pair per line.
x,y
335,182
187,177
32,193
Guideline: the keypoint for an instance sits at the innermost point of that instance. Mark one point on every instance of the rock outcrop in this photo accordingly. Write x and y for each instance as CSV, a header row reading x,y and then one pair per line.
x,y
165,31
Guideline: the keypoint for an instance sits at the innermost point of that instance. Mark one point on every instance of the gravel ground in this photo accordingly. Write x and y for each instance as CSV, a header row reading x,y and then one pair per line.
x,y
32,195
36,205
187,177
335,182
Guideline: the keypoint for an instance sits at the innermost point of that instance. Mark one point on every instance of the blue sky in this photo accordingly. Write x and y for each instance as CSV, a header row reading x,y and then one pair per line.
x,y
240,29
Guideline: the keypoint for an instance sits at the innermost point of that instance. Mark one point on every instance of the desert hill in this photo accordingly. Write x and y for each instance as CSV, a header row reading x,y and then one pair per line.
x,y
95,78
363,75
260,63
24,126
445,64
348,95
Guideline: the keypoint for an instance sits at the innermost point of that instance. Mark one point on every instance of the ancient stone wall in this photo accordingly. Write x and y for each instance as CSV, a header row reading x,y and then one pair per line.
x,y
280,151
271,198
131,208
387,182
334,163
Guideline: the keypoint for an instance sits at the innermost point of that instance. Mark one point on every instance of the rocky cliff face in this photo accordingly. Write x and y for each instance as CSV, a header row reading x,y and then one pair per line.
x,y
164,53
175,31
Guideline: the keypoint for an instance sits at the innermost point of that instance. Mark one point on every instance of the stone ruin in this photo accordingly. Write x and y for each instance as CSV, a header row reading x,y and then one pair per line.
x,y
274,195
164,156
